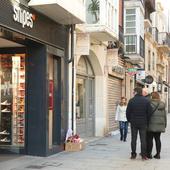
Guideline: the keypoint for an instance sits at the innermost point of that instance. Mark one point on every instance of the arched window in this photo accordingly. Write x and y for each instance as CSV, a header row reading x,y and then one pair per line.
x,y
84,67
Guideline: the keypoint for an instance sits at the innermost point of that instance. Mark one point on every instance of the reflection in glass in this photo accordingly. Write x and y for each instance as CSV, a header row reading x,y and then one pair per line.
x,y
80,83
93,7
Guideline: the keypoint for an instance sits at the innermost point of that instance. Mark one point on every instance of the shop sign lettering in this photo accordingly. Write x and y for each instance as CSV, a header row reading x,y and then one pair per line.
x,y
23,17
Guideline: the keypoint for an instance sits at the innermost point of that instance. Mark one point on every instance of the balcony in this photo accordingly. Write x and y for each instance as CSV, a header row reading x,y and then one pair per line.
x,y
102,19
152,32
147,23
155,34
148,32
134,48
64,12
164,42
142,1
149,8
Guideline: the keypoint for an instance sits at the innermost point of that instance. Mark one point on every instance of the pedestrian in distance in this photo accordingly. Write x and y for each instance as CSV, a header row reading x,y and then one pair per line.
x,y
121,117
138,113
157,125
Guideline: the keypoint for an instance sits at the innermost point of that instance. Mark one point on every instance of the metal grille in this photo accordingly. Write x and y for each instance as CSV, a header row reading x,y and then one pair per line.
x,y
114,94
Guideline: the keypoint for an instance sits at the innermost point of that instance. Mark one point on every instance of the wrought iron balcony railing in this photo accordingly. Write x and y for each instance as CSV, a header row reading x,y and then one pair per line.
x,y
164,39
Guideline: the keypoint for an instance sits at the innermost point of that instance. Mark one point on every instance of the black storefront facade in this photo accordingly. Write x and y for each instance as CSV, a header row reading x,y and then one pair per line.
x,y
33,70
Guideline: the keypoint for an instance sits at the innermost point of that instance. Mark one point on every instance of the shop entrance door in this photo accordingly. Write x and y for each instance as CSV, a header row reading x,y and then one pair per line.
x,y
57,118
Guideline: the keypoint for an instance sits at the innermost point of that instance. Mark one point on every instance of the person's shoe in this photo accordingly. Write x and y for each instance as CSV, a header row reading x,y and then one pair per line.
x,y
144,158
157,156
121,138
133,156
149,156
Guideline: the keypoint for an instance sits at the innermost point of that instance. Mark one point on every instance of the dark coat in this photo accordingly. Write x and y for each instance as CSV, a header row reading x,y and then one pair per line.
x,y
139,111
158,119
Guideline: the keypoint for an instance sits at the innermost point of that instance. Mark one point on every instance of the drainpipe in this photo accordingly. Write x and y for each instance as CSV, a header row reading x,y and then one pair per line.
x,y
71,60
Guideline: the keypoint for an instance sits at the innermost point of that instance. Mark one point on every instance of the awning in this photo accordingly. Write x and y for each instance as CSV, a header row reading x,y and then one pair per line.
x,y
62,11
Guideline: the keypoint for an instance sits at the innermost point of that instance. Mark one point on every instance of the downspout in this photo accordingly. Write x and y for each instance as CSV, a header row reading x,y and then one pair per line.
x,y
71,60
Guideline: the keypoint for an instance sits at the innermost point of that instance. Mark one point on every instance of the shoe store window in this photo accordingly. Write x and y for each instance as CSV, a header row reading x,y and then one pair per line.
x,y
12,97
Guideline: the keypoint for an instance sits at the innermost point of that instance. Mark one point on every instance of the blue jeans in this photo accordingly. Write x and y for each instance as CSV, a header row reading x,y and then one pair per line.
x,y
123,126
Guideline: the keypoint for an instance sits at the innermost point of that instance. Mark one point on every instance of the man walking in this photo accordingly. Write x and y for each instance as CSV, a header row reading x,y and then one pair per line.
x,y
138,114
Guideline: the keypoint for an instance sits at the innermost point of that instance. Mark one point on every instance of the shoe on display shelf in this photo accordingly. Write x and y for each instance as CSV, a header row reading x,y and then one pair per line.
x,y
20,116
22,89
20,120
5,140
20,124
4,132
5,110
21,109
5,103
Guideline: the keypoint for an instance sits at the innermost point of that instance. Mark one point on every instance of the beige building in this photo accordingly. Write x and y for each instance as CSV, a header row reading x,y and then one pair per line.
x,y
97,88
163,50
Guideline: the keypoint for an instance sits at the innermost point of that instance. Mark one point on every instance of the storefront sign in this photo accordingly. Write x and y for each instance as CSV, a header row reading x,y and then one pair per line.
x,y
140,75
23,17
18,17
131,71
118,69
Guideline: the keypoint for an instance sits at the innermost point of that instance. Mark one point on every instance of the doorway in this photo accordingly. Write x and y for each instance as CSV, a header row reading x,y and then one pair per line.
x,y
85,116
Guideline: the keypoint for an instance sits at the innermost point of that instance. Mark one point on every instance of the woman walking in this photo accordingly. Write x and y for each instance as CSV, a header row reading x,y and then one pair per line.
x,y
121,117
157,125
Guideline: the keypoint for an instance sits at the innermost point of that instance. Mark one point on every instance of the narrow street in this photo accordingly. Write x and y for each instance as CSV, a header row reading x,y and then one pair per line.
x,y
105,153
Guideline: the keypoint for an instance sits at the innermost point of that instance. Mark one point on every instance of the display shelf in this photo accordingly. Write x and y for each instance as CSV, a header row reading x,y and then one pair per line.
x,y
12,99
19,105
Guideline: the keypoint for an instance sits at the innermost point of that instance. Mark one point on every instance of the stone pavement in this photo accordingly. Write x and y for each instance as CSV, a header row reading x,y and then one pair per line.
x,y
106,153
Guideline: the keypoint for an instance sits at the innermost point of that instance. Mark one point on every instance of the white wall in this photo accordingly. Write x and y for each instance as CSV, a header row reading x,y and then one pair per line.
x,y
98,61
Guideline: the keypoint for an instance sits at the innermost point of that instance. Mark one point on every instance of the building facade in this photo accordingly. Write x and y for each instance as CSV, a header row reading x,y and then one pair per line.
x,y
163,50
134,12
98,88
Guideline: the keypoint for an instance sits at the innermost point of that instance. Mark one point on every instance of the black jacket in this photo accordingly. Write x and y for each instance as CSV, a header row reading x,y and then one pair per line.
x,y
139,111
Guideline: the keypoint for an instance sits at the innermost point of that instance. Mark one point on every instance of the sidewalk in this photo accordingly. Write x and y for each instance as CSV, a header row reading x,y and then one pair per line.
x,y
101,154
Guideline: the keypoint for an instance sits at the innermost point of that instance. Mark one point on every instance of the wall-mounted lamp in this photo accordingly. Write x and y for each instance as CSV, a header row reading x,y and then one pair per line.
x,y
159,87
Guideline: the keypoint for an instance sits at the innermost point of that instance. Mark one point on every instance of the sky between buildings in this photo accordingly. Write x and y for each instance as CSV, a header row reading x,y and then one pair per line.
x,y
166,6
